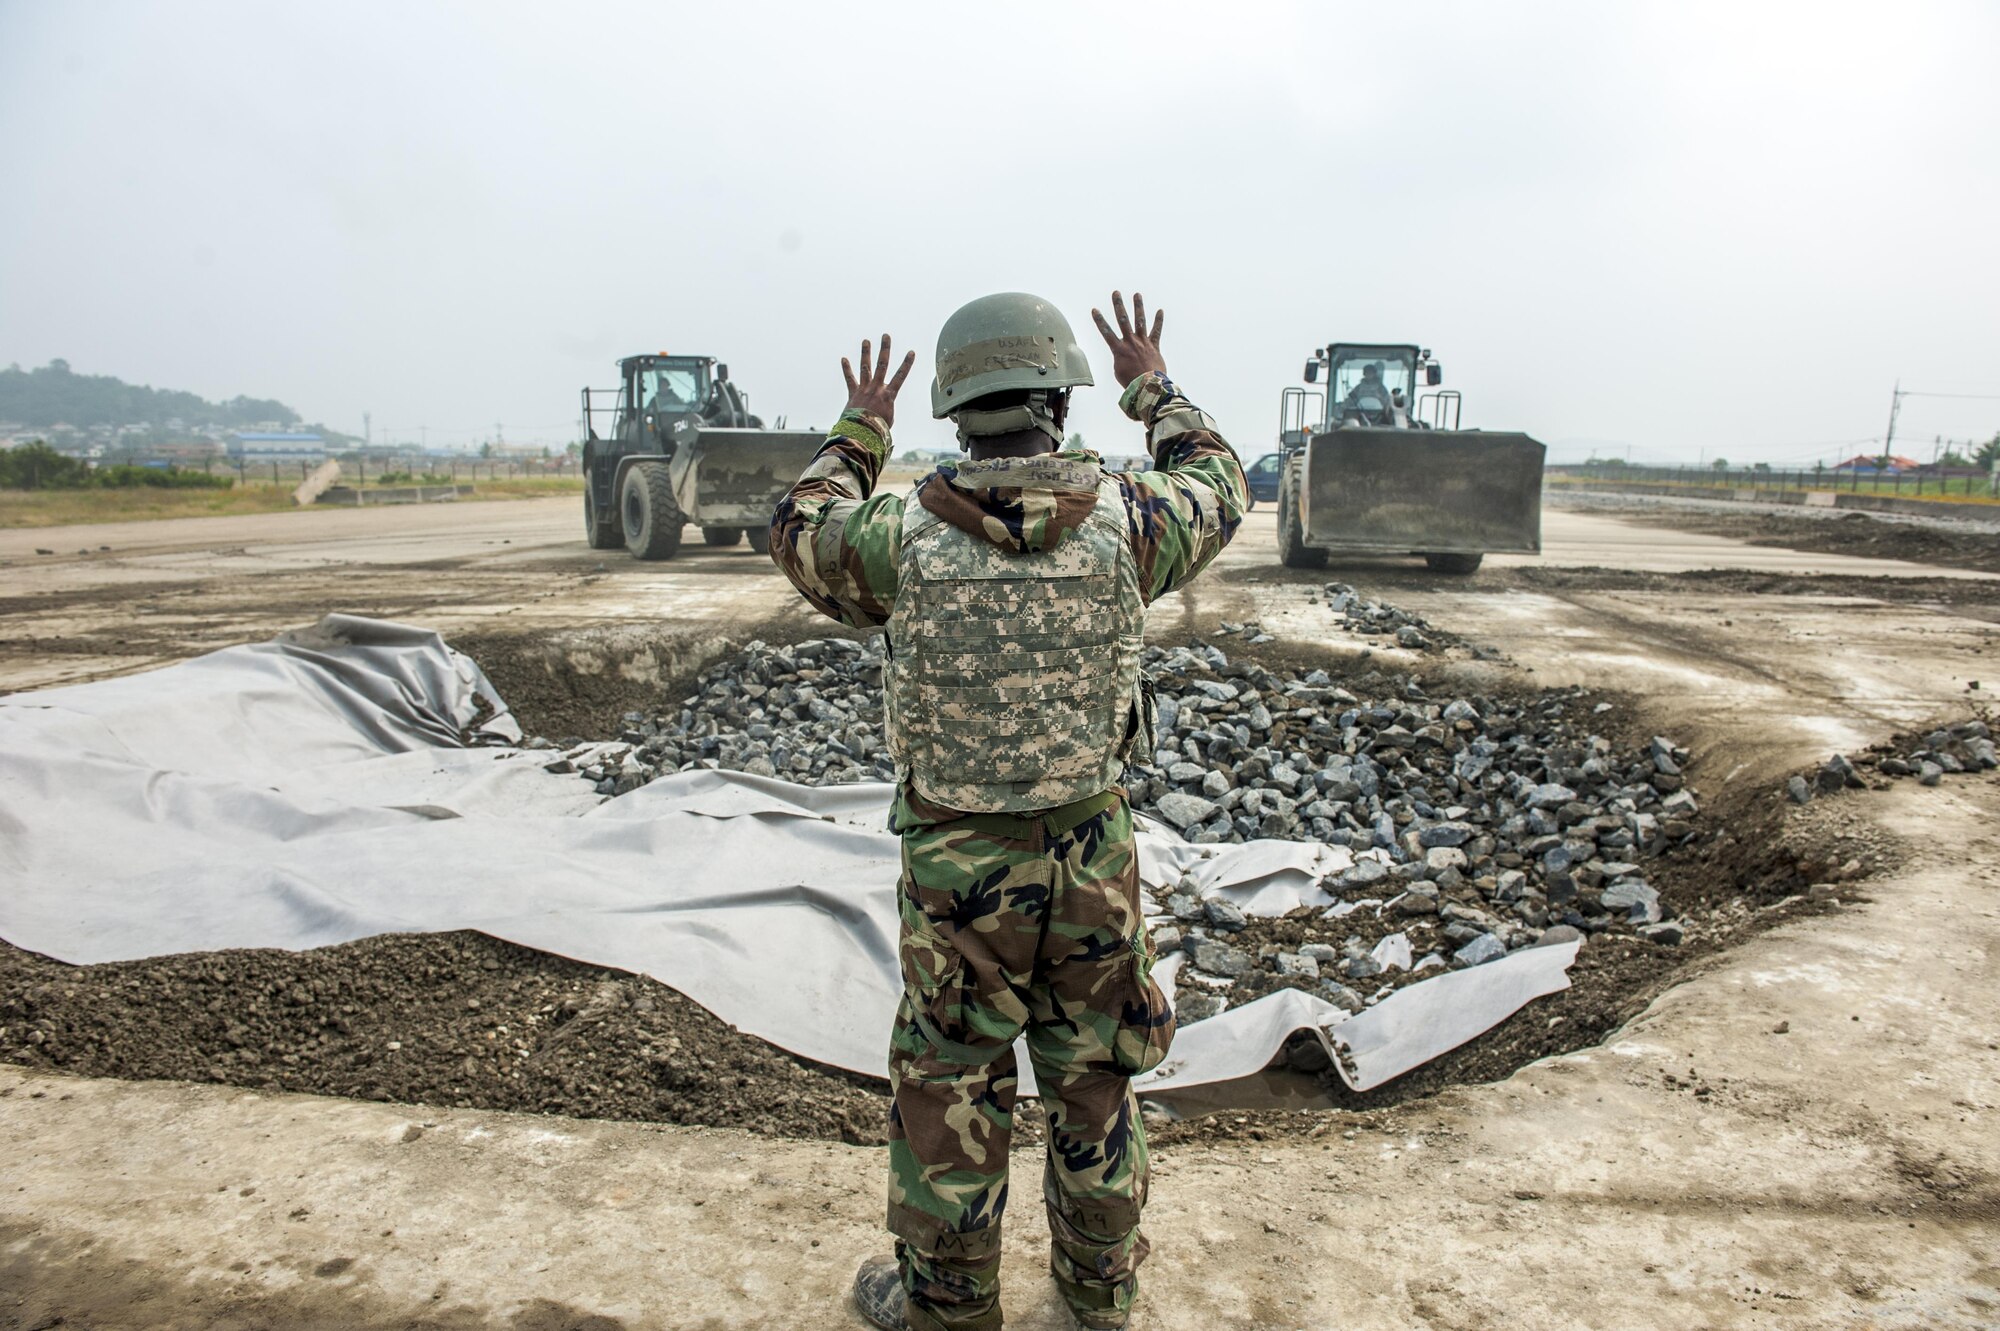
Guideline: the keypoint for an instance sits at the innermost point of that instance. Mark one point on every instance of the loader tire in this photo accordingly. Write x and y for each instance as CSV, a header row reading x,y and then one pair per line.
x,y
1457,565
646,506
599,528
760,539
722,535
1292,547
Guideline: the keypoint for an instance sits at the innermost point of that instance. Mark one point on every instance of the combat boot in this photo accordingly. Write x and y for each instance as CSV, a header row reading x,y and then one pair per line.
x,y
879,1295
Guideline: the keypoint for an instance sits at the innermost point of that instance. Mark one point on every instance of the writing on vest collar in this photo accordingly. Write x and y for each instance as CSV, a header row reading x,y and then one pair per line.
x,y
1053,472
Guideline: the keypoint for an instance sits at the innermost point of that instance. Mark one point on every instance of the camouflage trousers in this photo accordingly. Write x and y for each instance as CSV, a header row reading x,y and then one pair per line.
x,y
1016,926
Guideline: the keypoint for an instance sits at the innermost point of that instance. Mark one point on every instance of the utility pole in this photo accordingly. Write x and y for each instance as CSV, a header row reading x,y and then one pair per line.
x,y
1895,405
367,429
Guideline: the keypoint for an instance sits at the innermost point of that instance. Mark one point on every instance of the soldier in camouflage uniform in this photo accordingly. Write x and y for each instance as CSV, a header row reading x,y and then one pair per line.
x,y
1013,586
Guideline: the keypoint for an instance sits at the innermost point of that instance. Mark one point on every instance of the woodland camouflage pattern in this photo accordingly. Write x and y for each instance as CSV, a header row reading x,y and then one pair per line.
x,y
1015,925
836,539
1024,922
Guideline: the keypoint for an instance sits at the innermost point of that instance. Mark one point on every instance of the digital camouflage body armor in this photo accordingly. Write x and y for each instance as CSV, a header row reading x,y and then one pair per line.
x,y
1013,679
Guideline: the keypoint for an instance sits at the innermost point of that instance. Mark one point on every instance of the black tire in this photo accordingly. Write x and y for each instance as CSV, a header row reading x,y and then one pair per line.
x,y
1292,548
722,535
1457,565
646,510
600,529
760,539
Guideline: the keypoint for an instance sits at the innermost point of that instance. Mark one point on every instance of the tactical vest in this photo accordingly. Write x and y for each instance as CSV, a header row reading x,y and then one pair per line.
x,y
1013,679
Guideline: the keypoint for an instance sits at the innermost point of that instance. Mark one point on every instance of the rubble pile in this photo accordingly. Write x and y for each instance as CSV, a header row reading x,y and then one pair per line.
x,y
1965,747
810,713
1367,618
1477,825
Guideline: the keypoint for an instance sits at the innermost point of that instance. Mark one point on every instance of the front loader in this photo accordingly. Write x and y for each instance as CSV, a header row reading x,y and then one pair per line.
x,y
680,446
1374,466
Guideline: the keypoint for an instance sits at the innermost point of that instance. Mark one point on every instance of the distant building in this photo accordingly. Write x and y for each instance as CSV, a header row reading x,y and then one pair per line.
x,y
1865,464
253,447
186,450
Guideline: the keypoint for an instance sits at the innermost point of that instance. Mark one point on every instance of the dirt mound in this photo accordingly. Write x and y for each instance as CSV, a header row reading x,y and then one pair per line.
x,y
456,1019
1921,541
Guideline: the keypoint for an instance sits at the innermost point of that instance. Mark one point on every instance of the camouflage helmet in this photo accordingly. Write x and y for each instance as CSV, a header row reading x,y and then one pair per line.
x,y
1010,340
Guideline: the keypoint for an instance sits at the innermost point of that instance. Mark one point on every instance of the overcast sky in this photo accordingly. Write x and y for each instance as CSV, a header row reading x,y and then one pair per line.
x,y
1687,229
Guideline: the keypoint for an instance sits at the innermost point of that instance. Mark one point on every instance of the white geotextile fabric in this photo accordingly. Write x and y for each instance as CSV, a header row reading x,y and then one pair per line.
x,y
315,789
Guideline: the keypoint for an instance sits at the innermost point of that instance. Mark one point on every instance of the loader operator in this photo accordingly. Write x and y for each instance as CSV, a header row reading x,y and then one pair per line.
x,y
1013,586
1369,398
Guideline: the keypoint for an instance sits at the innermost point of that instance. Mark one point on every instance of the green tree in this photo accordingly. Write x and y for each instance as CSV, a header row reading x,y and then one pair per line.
x,y
1989,452
36,466
1720,464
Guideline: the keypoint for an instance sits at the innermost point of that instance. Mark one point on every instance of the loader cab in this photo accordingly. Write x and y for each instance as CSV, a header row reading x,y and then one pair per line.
x,y
659,392
1381,385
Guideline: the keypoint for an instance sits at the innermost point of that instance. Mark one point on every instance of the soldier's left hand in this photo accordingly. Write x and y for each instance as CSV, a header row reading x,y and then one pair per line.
x,y
868,391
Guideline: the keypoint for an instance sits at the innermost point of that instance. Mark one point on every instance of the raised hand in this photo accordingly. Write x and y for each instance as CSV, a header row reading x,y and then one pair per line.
x,y
867,391
1133,352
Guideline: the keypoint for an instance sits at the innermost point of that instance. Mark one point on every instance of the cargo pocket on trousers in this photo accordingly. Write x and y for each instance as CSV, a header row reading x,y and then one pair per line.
x,y
1145,1028
934,983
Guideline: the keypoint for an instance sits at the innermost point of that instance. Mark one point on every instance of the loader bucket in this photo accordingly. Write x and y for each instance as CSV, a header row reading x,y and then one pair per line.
x,y
1410,491
739,475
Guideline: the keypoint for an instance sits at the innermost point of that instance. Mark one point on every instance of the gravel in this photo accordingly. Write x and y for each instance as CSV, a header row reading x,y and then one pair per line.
x,y
1929,756
1377,619
1478,822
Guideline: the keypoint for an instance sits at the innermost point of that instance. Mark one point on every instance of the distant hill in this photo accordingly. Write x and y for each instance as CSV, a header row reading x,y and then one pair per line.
x,y
54,394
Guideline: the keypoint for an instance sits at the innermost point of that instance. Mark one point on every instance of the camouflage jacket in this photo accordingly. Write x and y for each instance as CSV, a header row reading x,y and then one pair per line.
x,y
837,540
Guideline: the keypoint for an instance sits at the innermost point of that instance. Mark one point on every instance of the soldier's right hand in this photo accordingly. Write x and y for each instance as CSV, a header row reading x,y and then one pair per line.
x,y
868,392
1137,352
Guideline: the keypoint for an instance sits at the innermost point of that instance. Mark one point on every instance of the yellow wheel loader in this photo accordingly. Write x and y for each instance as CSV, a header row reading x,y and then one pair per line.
x,y
1374,462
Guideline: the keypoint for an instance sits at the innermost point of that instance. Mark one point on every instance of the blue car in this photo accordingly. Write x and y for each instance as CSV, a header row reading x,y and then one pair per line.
x,y
1263,477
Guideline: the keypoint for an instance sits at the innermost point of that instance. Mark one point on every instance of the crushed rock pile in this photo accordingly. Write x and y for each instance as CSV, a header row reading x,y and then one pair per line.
x,y
1366,618
1478,825
810,713
1965,747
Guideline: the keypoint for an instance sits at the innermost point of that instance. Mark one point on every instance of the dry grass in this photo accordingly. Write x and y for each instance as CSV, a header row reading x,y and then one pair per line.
x,y
62,508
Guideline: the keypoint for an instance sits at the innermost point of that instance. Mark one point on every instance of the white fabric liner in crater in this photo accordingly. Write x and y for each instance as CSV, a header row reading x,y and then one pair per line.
x,y
314,790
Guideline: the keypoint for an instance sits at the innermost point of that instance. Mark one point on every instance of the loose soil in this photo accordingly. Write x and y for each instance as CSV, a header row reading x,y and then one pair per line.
x,y
456,1019
1750,867
1964,595
565,691
464,1020
1849,533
